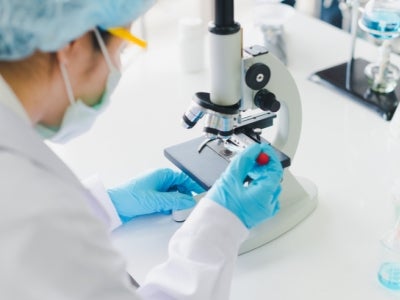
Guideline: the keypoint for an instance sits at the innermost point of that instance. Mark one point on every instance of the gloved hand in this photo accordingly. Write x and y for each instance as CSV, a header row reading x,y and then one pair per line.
x,y
161,190
257,199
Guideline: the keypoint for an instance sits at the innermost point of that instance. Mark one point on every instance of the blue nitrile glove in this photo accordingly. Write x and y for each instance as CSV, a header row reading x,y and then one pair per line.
x,y
257,199
162,190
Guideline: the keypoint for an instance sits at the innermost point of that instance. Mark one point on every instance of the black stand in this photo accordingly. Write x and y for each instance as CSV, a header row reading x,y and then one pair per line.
x,y
357,87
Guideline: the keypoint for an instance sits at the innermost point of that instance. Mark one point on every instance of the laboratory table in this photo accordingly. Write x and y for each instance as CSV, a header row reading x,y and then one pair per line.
x,y
345,149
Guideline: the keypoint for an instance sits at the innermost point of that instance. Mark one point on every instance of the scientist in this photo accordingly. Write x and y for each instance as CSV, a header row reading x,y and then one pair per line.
x,y
59,62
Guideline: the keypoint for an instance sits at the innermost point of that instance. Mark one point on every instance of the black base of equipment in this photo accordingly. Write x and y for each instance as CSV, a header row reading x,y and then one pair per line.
x,y
356,86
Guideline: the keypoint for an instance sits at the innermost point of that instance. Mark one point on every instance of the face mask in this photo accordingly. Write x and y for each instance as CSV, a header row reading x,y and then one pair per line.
x,y
79,117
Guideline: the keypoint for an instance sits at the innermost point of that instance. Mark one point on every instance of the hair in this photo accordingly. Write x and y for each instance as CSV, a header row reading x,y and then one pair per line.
x,y
41,62
104,34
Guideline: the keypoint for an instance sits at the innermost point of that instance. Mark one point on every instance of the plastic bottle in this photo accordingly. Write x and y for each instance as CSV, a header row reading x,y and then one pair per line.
x,y
191,44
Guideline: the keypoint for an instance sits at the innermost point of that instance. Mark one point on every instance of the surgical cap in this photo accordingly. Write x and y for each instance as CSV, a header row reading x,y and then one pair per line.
x,y
48,25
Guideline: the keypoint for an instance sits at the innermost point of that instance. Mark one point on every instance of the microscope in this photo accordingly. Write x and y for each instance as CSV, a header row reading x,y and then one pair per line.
x,y
250,90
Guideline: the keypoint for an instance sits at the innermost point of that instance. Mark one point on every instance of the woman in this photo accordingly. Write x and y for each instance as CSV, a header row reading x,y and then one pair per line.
x,y
59,63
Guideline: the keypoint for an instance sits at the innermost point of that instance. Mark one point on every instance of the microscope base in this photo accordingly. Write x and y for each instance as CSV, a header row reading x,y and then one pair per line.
x,y
357,87
298,200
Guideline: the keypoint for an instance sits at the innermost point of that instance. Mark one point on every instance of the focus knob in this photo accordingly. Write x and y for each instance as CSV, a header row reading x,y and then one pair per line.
x,y
266,100
257,76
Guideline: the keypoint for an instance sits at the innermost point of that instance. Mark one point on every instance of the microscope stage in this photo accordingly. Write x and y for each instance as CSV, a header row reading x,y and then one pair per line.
x,y
205,167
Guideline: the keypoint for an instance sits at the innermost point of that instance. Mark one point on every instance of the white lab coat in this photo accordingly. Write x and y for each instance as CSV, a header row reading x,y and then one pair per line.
x,y
54,246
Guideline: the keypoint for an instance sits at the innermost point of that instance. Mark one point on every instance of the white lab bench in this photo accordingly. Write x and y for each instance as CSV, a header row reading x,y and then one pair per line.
x,y
345,149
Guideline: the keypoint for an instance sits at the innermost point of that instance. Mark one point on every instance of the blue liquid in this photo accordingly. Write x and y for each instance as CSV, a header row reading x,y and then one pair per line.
x,y
389,275
384,21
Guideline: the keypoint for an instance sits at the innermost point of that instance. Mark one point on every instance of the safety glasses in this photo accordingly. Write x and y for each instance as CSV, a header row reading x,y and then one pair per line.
x,y
127,52
126,35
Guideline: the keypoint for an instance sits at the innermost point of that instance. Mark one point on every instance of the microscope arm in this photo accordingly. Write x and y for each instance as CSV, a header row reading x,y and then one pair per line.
x,y
289,118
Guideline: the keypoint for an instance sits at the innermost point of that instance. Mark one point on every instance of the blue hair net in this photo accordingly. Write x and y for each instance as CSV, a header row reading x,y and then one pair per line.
x,y
48,25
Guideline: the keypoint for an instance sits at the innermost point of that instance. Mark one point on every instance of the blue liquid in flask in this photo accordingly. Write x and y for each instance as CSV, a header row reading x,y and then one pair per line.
x,y
389,275
385,21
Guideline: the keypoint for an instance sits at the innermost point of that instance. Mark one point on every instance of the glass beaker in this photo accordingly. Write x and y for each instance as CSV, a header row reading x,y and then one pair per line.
x,y
389,270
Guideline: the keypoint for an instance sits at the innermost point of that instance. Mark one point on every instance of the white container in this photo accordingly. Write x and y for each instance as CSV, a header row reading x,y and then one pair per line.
x,y
191,44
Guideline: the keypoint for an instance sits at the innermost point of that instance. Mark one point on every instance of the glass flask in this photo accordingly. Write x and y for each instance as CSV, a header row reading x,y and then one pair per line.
x,y
389,270
381,19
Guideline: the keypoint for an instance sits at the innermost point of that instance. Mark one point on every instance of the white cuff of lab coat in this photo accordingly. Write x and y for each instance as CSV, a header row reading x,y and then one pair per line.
x,y
202,256
99,192
218,217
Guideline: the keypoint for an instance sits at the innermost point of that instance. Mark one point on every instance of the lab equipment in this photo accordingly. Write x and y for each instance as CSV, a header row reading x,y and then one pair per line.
x,y
24,25
248,88
389,270
160,190
382,75
271,18
381,19
262,203
372,84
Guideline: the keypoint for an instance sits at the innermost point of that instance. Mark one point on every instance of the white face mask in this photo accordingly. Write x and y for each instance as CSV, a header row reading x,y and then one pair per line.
x,y
79,117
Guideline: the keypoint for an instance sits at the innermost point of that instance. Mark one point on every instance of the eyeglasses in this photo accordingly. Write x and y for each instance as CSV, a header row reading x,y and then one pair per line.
x,y
126,35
